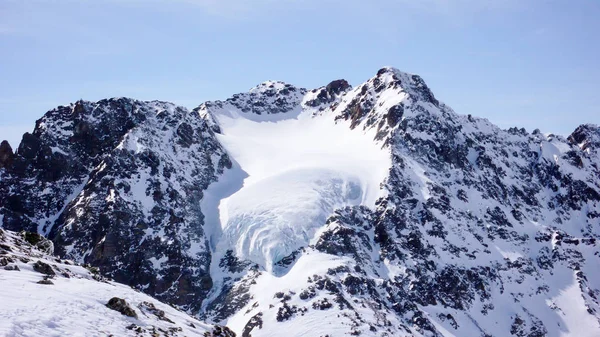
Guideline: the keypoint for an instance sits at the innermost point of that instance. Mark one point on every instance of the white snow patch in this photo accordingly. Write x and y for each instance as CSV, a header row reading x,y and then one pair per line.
x,y
111,196
509,255
313,263
574,313
421,177
56,149
157,263
472,156
45,225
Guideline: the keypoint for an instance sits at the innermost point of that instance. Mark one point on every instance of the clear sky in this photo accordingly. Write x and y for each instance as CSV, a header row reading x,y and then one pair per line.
x,y
526,63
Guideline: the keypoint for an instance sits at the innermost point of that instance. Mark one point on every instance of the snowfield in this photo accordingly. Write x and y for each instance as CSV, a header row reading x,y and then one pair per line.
x,y
298,170
270,219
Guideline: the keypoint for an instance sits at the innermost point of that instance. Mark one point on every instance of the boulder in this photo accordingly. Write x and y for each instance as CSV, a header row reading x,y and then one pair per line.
x,y
120,305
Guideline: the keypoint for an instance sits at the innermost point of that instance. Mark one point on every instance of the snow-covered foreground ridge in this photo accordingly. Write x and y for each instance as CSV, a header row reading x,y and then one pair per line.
x,y
372,210
41,295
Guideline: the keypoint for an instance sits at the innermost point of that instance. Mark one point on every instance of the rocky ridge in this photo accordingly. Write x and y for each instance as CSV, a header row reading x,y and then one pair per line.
x,y
118,183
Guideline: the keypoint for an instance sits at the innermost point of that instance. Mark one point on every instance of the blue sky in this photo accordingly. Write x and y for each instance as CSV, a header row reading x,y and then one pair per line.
x,y
532,64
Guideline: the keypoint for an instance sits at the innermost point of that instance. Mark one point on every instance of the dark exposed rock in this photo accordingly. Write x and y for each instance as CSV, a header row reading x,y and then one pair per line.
x,y
337,87
286,312
233,295
43,268
32,238
290,259
38,241
6,260
6,154
329,93
45,281
152,309
394,115
269,98
322,304
220,331
347,238
120,305
231,263
308,293
186,134
30,146
254,322
586,136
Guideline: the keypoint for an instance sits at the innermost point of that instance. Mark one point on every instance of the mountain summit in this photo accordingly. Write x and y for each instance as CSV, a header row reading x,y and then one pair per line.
x,y
370,210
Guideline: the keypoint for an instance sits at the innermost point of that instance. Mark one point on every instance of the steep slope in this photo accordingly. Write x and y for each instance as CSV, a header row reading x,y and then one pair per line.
x,y
480,231
117,184
45,296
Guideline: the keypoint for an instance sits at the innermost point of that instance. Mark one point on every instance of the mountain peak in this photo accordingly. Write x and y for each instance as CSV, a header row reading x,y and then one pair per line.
x,y
586,137
380,103
390,69
268,101
413,84
270,86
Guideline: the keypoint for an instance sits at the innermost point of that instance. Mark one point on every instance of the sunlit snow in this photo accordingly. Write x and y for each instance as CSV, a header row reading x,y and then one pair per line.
x,y
299,170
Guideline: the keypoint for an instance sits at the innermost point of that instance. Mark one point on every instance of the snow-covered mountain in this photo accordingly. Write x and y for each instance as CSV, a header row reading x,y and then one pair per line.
x,y
374,210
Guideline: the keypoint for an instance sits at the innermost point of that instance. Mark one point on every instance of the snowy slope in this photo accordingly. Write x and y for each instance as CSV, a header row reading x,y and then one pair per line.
x,y
74,303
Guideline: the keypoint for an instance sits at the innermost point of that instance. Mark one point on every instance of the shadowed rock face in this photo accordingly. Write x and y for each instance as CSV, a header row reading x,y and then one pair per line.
x,y
6,154
118,184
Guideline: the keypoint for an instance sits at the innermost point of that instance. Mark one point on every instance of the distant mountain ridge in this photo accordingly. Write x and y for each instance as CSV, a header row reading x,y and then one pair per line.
x,y
371,210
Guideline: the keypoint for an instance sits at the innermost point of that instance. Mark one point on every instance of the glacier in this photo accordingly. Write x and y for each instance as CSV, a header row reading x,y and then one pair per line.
x,y
270,219
297,168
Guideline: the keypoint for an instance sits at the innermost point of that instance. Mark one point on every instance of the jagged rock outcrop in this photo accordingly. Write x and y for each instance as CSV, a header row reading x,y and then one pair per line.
x,y
6,154
324,96
268,101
